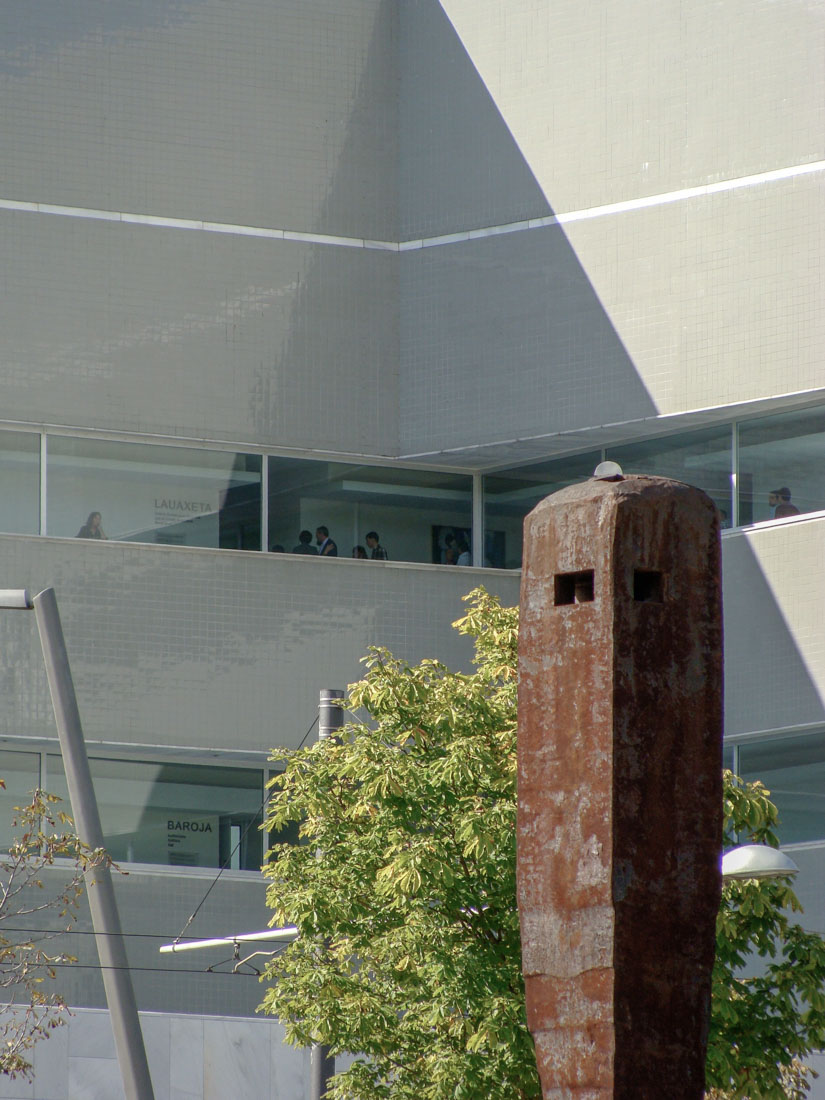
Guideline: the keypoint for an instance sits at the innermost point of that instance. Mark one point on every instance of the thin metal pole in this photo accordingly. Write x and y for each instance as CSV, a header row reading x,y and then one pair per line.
x,y
117,982
330,720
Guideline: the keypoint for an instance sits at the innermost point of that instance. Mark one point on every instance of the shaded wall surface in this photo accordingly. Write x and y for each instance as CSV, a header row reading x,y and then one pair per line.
x,y
191,644
216,648
199,335
253,113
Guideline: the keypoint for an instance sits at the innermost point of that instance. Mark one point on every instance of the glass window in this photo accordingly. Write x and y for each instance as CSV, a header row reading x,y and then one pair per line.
x,y
21,773
702,458
781,459
793,770
417,515
20,483
144,493
183,815
510,494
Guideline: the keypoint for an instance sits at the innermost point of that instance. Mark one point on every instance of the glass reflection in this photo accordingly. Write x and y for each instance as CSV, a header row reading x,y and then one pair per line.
x,y
145,493
793,770
21,773
510,494
20,483
780,462
702,458
181,815
334,509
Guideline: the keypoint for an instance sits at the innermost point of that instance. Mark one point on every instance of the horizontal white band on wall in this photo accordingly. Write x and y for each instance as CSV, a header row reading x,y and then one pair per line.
x,y
627,206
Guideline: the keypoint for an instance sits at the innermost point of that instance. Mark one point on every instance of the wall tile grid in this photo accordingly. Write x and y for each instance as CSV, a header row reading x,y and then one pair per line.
x,y
154,906
227,649
280,115
695,303
643,101
686,306
775,667
296,345
460,167
516,344
216,648
198,335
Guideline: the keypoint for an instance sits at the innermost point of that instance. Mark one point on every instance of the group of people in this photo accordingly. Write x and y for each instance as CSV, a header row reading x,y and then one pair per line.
x,y
326,547
456,551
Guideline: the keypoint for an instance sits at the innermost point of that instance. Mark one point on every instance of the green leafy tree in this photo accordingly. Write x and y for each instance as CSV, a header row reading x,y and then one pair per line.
x,y
403,891
31,1007
768,1008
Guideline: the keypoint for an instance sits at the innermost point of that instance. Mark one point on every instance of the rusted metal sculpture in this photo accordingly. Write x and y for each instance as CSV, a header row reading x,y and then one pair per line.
x,y
620,798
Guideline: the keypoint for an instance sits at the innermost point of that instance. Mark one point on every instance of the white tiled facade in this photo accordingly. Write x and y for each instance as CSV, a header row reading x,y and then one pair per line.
x,y
448,234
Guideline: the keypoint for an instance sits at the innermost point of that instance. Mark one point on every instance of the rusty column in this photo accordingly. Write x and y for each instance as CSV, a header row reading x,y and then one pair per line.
x,y
620,789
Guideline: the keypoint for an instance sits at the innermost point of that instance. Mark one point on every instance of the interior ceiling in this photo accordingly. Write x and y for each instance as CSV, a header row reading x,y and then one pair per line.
x,y
504,453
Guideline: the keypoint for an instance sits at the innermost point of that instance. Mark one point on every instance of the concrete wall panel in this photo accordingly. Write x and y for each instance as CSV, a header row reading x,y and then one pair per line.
x,y
460,167
258,113
691,305
216,648
190,1058
717,299
516,344
195,334
609,102
774,610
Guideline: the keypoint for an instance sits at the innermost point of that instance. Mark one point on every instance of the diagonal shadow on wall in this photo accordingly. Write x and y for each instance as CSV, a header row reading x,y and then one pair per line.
x,y
464,344
768,683
502,337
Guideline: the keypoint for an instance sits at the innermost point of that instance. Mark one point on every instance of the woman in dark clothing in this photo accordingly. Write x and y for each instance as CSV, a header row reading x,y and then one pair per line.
x,y
91,529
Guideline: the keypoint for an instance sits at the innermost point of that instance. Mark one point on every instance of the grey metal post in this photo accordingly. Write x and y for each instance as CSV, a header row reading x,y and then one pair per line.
x,y
330,720
330,713
117,981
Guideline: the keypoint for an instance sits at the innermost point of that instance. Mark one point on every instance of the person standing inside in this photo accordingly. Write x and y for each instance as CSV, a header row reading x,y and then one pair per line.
x,y
378,553
780,501
326,547
92,529
305,544
464,555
